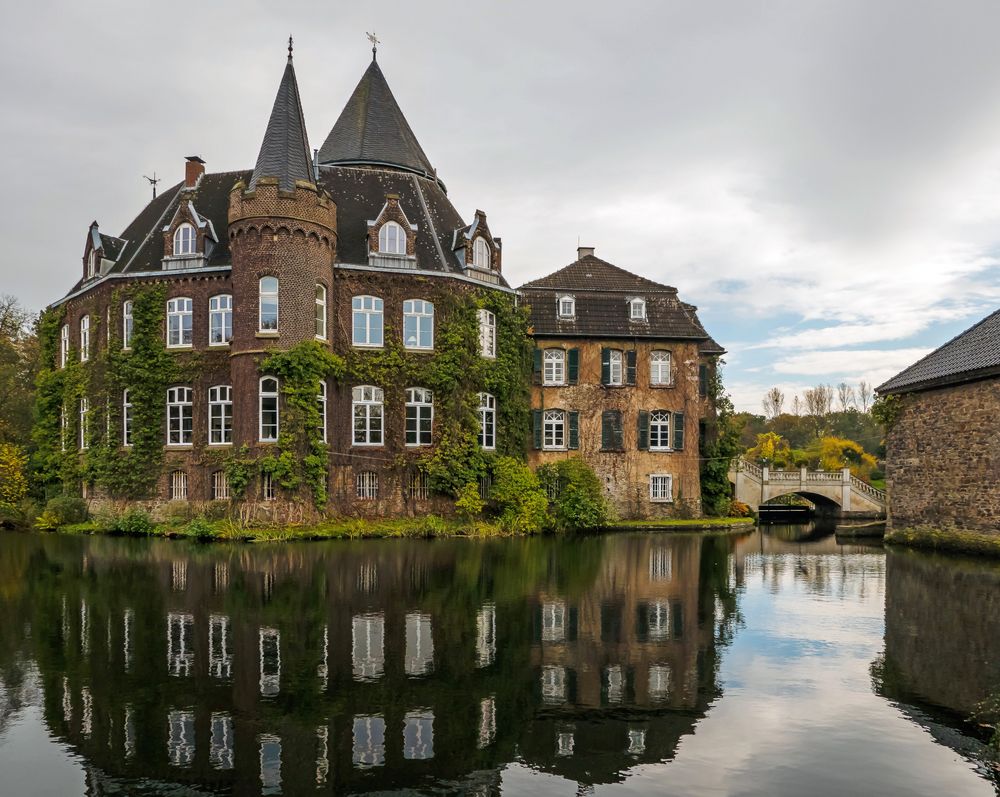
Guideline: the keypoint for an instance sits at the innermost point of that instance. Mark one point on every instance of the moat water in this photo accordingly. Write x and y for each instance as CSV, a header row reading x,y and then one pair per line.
x,y
774,662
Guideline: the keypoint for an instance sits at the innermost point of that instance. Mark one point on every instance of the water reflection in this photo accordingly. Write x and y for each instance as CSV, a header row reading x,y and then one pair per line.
x,y
364,667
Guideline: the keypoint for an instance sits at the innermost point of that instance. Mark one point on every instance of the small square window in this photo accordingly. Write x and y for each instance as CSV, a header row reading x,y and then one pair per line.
x,y
567,307
661,488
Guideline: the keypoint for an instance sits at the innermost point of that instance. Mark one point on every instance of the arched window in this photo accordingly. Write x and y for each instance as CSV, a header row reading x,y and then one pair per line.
x,y
367,320
178,486
554,430
367,409
220,415
554,367
321,311
268,409
487,334
321,399
419,416
480,253
659,368
180,417
127,324
268,304
126,419
418,324
220,320
637,309
487,421
179,322
64,346
391,239
85,338
184,240
659,430
567,307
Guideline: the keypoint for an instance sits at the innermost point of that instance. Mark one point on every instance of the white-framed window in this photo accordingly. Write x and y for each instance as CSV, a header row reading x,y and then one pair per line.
x,y
616,370
64,346
659,368
267,490
91,264
487,421
268,431
180,318
391,239
320,311
554,621
661,488
180,416
126,418
659,430
368,413
63,427
487,334
220,320
366,483
321,400
419,416
85,338
567,306
185,240
107,325
267,300
367,320
220,486
127,325
178,486
220,415
637,309
554,367
84,413
418,324
481,253
554,429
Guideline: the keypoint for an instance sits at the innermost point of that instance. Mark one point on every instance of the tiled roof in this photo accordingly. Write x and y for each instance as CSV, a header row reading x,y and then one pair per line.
x,y
971,355
284,153
372,129
590,273
111,246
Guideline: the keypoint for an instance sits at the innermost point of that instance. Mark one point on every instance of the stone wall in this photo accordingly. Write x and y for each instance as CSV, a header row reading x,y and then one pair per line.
x,y
943,459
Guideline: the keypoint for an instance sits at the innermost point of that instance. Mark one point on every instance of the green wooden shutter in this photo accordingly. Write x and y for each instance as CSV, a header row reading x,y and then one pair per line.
x,y
536,371
536,416
605,366
630,367
574,430
643,436
606,429
678,431
573,366
703,380
618,429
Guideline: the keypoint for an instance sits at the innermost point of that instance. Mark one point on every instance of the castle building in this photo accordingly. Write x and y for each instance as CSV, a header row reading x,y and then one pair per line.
x,y
621,378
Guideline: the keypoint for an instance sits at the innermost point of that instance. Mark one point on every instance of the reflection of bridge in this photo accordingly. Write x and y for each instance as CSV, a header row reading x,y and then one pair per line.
x,y
757,485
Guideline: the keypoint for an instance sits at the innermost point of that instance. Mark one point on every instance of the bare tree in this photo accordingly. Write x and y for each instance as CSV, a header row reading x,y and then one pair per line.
x,y
773,402
819,400
845,395
865,395
796,405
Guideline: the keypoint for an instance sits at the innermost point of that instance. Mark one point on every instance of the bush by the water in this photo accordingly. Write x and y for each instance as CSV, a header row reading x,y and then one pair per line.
x,y
61,511
135,522
520,499
577,496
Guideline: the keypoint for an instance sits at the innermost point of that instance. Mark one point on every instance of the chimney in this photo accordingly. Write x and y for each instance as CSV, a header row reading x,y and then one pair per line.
x,y
584,251
193,170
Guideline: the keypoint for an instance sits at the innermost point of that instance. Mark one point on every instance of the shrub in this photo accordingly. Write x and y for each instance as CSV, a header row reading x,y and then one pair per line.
x,y
469,505
739,509
578,500
520,499
135,522
13,482
66,509
200,529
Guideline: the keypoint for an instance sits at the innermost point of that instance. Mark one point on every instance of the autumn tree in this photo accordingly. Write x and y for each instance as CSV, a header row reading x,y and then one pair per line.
x,y
773,402
18,357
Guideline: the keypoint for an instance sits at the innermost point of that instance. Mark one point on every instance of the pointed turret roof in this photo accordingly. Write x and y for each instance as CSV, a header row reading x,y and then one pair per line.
x,y
284,154
372,130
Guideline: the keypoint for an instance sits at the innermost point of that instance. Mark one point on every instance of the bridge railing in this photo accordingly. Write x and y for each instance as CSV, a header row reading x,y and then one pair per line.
x,y
867,489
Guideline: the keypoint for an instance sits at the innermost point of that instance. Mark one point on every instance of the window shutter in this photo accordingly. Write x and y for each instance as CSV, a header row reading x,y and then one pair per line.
x,y
616,421
574,430
605,366
643,436
703,380
536,372
536,416
573,366
678,431
606,432
630,367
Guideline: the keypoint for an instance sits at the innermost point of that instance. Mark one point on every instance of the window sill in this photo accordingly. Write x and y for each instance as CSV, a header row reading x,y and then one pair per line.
x,y
419,349
661,500
553,448
180,346
220,445
179,446
268,334
555,384
268,442
661,386
416,445
219,345
661,450
367,346
613,450
367,445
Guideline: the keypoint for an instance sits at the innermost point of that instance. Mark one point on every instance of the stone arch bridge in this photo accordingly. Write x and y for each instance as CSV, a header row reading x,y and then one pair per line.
x,y
833,491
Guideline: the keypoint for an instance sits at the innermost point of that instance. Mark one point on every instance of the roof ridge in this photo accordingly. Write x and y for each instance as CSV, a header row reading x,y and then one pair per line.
x,y
540,283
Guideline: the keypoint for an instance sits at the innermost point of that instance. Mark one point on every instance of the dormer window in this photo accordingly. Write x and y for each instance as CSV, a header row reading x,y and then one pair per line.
x,y
91,264
391,239
480,253
567,307
637,309
185,239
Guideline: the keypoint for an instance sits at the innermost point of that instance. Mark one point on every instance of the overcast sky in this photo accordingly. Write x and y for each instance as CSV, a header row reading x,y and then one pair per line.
x,y
821,178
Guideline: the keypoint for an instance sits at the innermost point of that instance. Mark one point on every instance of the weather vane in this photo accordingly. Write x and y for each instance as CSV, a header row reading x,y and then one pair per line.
x,y
375,43
152,181
289,47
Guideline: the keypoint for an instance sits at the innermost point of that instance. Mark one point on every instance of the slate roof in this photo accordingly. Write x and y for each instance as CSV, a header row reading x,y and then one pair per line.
x,y
284,152
602,291
372,130
974,354
111,246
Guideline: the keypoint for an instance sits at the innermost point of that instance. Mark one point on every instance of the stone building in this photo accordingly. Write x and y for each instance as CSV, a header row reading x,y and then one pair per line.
x,y
621,375
356,246
943,446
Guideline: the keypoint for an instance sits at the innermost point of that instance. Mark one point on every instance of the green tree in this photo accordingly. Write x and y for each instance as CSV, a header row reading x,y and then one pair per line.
x,y
720,445
18,358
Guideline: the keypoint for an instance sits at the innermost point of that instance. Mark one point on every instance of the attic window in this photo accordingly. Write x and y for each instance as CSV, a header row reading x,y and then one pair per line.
x,y
391,239
637,309
480,253
184,240
567,307
91,264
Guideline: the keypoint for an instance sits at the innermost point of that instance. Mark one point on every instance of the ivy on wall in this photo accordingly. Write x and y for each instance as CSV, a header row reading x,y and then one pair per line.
x,y
721,445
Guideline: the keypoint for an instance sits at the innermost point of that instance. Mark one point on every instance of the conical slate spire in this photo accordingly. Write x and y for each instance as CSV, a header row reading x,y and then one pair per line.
x,y
372,129
284,154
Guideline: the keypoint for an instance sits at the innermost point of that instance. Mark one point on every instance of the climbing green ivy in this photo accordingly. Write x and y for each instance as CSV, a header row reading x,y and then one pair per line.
x,y
721,445
47,458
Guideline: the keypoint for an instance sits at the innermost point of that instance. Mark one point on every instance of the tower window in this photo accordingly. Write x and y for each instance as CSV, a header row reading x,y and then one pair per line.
x,y
185,239
64,346
321,312
268,304
126,419
391,239
127,325
268,410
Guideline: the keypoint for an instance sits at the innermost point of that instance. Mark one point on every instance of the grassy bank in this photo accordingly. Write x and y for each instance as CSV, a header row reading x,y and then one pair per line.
x,y
673,524
947,540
